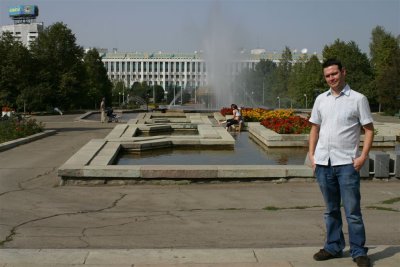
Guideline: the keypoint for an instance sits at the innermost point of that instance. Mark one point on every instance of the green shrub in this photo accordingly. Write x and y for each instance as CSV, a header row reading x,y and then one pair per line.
x,y
18,127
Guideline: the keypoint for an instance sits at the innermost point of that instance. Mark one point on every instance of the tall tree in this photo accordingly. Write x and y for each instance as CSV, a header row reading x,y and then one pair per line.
x,y
62,74
97,82
283,73
385,59
265,70
305,81
16,71
358,68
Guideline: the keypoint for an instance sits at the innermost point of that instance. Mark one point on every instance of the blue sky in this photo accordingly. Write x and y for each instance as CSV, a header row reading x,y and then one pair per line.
x,y
183,25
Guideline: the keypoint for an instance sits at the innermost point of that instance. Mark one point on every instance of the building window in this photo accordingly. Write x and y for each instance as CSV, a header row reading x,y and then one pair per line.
x,y
139,66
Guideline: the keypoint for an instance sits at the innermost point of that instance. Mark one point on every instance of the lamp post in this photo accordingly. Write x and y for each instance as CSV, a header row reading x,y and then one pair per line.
x,y
174,94
181,95
279,102
119,99
195,95
154,95
306,99
263,94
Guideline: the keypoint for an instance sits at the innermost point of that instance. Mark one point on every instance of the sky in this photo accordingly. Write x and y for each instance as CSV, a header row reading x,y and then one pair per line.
x,y
184,25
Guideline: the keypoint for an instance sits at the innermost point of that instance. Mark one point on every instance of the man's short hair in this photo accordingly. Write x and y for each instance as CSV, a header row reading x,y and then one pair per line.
x,y
332,61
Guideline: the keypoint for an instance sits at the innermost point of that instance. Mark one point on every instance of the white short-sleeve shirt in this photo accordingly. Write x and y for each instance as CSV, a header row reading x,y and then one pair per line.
x,y
340,119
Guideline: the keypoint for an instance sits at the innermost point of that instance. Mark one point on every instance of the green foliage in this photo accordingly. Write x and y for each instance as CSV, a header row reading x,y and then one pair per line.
x,y
16,69
283,72
385,58
54,73
61,80
305,79
358,68
97,83
16,127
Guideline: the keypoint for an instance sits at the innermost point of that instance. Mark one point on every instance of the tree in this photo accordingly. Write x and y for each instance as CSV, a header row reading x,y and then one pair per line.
x,y
358,68
159,93
385,59
282,74
97,83
265,70
16,71
61,70
306,78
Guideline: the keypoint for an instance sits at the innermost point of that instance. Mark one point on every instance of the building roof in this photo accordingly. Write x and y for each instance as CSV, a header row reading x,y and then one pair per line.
x,y
242,56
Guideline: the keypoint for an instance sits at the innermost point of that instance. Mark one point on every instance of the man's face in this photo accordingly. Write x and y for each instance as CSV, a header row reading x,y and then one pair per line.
x,y
334,77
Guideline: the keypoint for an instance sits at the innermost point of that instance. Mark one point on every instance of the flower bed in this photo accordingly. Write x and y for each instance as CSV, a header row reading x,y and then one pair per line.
x,y
282,121
14,127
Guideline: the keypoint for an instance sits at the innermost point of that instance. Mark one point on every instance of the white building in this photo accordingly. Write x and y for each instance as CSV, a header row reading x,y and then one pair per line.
x,y
26,33
170,69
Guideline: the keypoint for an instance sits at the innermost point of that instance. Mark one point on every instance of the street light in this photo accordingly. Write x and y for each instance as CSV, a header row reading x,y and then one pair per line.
x,y
119,99
279,102
306,99
174,93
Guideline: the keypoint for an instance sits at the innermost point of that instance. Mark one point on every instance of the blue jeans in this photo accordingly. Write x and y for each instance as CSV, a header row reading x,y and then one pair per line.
x,y
342,183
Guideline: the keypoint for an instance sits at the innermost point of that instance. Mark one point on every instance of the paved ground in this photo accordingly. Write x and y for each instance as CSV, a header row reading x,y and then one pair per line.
x,y
235,224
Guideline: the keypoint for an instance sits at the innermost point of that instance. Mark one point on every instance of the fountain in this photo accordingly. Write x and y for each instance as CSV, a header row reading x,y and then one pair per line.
x,y
97,161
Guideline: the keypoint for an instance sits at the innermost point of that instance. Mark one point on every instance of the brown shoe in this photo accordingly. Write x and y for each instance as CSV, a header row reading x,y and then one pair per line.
x,y
362,261
323,255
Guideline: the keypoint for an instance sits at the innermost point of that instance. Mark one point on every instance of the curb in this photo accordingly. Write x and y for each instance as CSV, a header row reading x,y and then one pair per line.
x,y
20,141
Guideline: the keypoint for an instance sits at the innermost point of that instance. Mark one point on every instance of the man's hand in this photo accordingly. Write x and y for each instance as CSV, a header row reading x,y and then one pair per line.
x,y
359,162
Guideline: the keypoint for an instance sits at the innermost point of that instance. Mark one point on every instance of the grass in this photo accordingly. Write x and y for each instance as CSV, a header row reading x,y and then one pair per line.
x,y
381,208
391,201
273,208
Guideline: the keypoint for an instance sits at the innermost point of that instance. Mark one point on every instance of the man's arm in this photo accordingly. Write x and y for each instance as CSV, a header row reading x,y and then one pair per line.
x,y
367,144
312,143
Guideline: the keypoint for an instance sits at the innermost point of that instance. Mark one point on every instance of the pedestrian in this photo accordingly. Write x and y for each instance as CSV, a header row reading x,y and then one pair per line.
x,y
103,110
236,119
337,118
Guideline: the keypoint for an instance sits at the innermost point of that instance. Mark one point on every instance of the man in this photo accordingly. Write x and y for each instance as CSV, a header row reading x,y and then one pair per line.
x,y
337,118
103,110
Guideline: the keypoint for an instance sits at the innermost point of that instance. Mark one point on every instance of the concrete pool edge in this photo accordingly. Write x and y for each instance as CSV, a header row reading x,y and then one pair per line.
x,y
93,163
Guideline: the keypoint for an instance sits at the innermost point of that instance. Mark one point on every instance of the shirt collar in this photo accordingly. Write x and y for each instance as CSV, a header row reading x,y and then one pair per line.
x,y
346,91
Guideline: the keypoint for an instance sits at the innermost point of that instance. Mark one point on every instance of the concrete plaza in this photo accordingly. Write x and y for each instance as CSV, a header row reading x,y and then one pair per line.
x,y
162,224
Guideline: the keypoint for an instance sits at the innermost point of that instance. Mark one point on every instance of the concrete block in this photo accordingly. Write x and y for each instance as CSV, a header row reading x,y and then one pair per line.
x,y
394,163
364,171
381,163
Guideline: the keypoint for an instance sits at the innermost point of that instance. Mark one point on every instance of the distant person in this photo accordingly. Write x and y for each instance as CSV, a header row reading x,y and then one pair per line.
x,y
237,117
103,110
337,118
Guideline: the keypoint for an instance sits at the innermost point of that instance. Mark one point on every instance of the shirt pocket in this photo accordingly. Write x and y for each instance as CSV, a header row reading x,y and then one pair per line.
x,y
347,114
